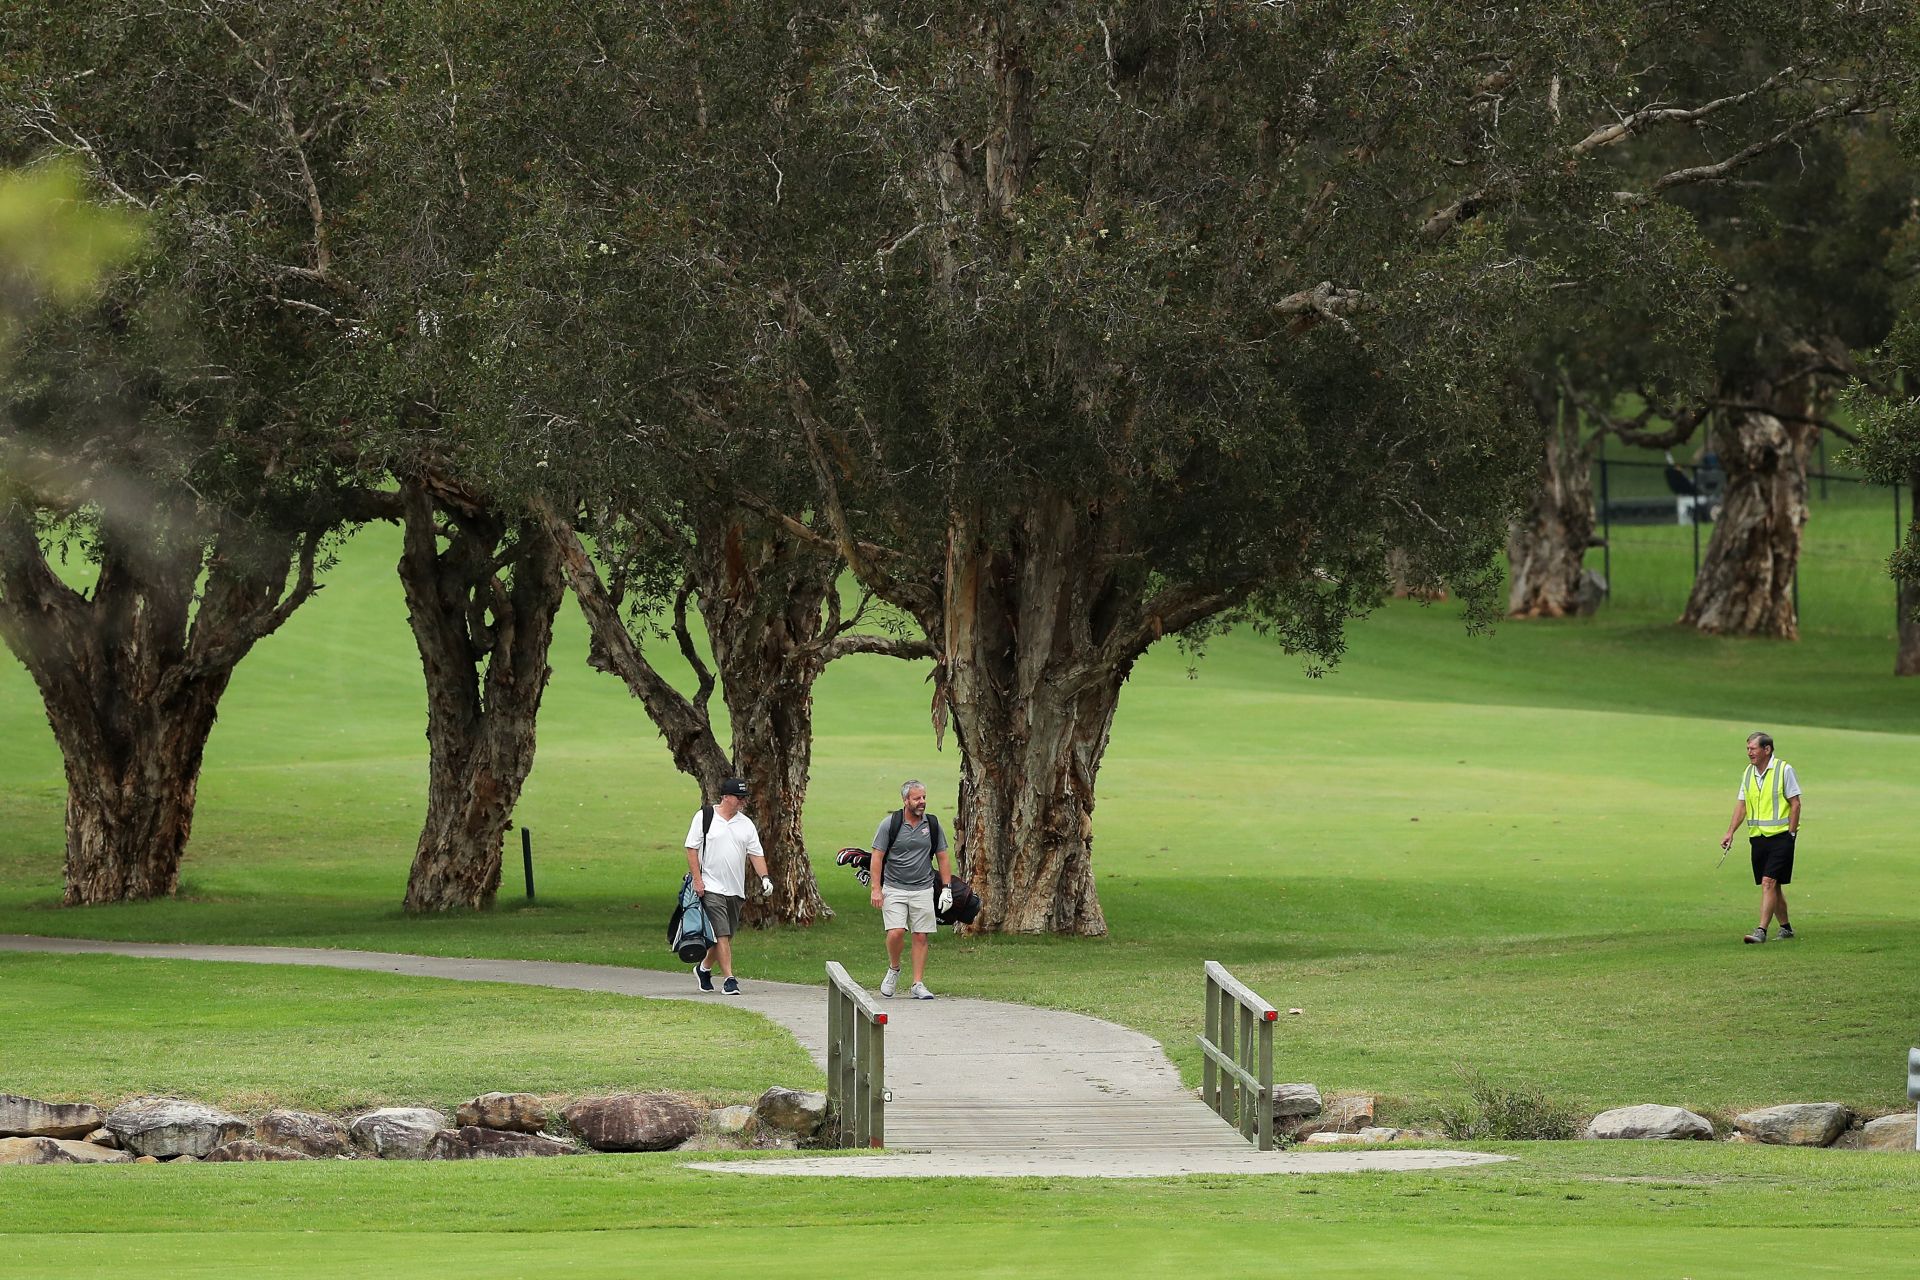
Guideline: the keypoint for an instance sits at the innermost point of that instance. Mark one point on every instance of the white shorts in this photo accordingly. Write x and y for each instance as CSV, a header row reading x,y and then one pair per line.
x,y
909,909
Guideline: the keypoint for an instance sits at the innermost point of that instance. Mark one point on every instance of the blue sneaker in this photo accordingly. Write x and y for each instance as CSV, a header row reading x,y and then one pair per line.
x,y
705,975
731,986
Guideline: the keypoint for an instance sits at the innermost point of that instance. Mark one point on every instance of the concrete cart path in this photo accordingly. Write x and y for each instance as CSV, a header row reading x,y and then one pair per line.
x,y
981,1086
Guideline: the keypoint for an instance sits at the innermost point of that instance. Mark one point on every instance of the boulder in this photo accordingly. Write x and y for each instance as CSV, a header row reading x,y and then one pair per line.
x,y
146,1159
1888,1133
731,1122
1796,1124
1338,1115
41,1150
1649,1120
396,1133
514,1112
471,1142
322,1137
22,1117
633,1122
791,1111
168,1127
1369,1134
102,1138
1295,1101
246,1149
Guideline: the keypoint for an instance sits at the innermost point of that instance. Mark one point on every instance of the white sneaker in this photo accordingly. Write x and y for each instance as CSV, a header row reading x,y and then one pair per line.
x,y
890,983
920,992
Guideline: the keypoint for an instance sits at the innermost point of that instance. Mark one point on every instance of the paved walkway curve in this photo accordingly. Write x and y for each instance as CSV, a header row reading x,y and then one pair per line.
x,y
980,1087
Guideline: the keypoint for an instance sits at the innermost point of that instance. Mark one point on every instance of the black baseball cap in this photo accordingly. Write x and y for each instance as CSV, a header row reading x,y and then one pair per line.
x,y
734,787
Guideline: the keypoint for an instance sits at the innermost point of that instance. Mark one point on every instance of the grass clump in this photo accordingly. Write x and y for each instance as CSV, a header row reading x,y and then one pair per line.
x,y
1494,1112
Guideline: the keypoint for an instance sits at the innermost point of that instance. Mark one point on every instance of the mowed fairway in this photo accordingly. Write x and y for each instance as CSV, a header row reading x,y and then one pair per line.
x,y
1455,853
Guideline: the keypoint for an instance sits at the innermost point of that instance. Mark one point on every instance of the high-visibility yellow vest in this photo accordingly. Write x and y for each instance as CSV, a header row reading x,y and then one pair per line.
x,y
1767,808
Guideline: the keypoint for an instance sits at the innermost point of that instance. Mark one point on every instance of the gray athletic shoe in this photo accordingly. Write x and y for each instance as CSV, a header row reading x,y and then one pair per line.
x,y
1786,933
890,983
1758,935
920,992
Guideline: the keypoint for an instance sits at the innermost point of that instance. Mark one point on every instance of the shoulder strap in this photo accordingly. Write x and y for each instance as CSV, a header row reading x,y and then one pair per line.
x,y
706,825
933,844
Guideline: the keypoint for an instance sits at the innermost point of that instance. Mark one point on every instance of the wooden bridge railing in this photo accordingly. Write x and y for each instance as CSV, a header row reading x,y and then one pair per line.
x,y
856,1063
1237,1077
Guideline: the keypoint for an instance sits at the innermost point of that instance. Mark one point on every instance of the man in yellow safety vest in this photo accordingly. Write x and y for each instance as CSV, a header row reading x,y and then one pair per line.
x,y
1769,804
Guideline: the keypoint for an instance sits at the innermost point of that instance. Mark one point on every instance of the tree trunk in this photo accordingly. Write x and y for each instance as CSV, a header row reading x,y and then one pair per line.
x,y
1547,546
1906,661
131,793
480,724
1745,584
131,676
763,599
1033,689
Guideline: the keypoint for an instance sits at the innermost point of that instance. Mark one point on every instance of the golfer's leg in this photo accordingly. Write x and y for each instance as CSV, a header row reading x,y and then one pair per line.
x,y
725,947
1769,900
896,939
1780,905
919,956
706,961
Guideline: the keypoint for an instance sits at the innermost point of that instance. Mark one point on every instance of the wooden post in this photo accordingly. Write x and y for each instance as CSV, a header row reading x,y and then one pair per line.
x,y
836,1053
1210,1074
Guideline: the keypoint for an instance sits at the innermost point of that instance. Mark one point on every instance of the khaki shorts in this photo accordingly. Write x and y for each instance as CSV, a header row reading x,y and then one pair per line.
x,y
909,909
723,913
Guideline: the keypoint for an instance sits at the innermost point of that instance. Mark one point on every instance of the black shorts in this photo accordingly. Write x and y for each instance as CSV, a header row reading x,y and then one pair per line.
x,y
1773,856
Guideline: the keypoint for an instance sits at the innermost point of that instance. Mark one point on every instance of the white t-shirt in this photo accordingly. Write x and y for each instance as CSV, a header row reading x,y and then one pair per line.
x,y
723,864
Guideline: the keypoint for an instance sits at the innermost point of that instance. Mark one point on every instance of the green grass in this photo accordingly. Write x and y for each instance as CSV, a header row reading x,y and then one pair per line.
x,y
1679,1209
1455,853
250,1037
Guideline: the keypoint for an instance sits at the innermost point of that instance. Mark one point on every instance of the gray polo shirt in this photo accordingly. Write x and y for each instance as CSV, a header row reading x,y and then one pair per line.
x,y
910,864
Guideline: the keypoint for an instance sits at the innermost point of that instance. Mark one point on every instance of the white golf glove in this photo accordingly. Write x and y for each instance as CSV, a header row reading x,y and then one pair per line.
x,y
766,887
946,898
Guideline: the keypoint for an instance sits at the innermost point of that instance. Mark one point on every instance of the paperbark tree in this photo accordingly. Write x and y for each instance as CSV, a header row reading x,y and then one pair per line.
x,y
1153,321
565,313
161,434
1547,546
482,608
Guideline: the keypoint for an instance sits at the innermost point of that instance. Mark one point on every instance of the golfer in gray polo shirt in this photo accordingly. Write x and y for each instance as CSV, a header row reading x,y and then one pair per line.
x,y
903,884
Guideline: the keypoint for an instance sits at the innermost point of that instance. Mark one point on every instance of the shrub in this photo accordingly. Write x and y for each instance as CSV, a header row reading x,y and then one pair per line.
x,y
1498,1113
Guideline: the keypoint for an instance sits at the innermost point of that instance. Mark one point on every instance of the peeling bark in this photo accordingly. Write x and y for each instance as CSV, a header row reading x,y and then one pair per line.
x,y
482,613
1547,546
1041,631
1745,584
131,674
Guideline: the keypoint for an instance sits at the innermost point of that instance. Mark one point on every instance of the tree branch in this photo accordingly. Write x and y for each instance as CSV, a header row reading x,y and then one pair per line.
x,y
1627,126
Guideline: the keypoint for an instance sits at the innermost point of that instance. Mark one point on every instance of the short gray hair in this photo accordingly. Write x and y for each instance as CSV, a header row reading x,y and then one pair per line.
x,y
1764,739
907,787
